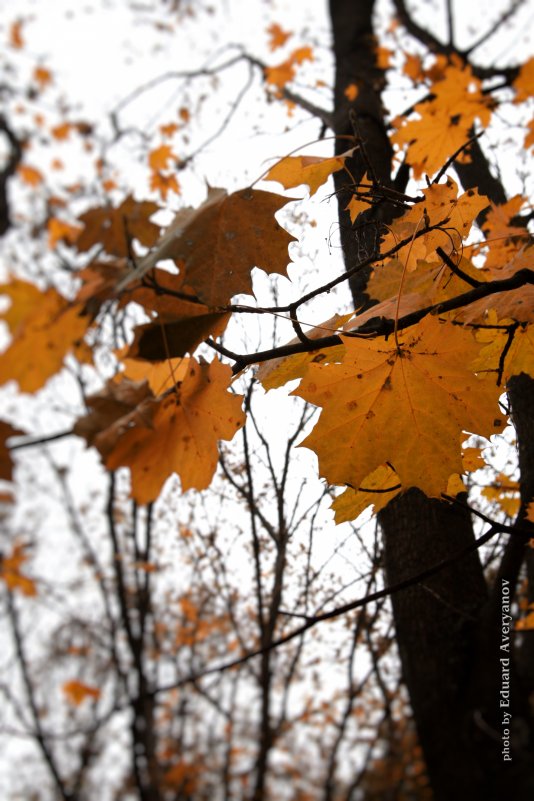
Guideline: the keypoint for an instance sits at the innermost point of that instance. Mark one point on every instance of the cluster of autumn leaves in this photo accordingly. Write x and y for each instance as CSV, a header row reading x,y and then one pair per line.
x,y
395,409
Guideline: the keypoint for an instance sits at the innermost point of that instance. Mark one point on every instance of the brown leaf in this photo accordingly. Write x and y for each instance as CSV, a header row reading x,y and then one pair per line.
x,y
114,228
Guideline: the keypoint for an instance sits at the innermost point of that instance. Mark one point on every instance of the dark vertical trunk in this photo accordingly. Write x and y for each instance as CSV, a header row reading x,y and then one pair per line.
x,y
447,629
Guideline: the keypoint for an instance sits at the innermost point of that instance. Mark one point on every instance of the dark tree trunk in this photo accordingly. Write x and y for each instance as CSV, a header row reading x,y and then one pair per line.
x,y
448,629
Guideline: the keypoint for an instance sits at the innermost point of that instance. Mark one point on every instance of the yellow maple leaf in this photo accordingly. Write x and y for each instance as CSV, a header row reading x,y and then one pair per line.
x,y
377,490
292,171
504,491
49,328
423,391
443,207
517,348
179,433
77,692
445,121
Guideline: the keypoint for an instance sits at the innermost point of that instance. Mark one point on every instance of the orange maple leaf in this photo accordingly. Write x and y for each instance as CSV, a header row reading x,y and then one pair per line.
x,y
284,73
77,692
292,171
445,121
16,39
179,433
159,158
11,574
62,131
42,76
30,175
46,331
524,83
61,231
277,36
164,184
423,391
351,92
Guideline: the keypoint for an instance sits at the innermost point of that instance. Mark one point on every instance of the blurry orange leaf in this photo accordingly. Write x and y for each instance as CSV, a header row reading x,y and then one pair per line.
x,y
164,184
99,282
182,777
61,132
114,228
413,67
383,57
179,433
25,298
159,158
285,72
351,92
117,406
42,76
184,114
529,138
10,571
524,83
30,175
6,462
77,692
302,54
312,170
526,623
168,130
61,231
504,491
16,39
49,329
379,389
277,36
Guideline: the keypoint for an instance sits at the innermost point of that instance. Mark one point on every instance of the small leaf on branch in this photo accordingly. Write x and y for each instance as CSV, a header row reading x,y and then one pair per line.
x,y
312,170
